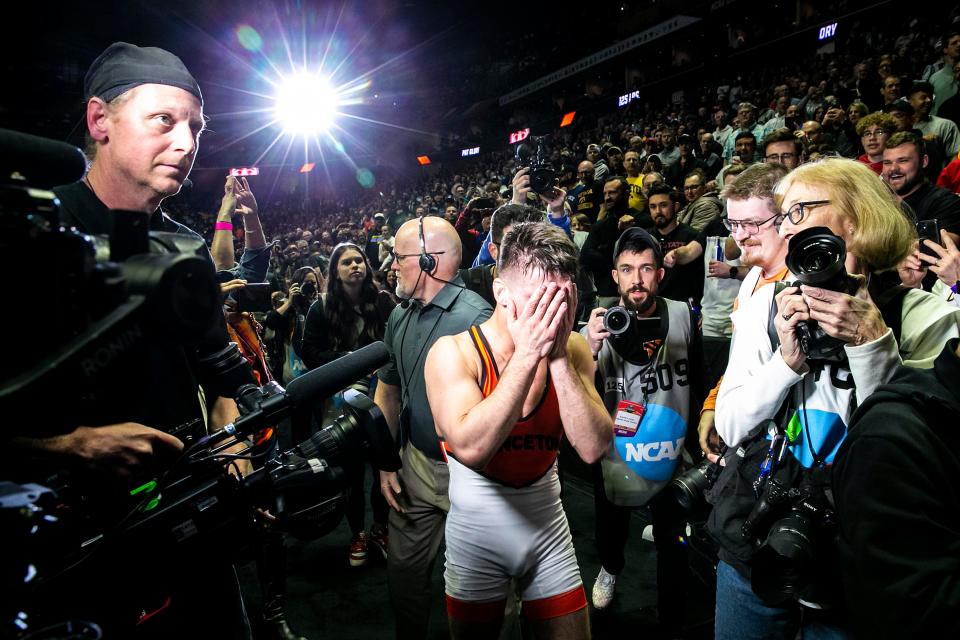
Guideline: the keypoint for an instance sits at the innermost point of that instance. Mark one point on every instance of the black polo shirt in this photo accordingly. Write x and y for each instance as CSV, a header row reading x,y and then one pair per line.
x,y
410,334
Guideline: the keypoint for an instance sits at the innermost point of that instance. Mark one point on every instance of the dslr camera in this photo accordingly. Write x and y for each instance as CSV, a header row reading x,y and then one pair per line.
x,y
542,174
629,332
816,256
794,531
689,488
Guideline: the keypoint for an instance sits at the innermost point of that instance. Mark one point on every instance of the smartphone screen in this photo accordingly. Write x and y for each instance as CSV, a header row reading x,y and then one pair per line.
x,y
254,297
928,230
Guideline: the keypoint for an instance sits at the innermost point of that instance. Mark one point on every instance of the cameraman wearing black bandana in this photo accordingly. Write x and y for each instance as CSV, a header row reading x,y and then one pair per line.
x,y
144,116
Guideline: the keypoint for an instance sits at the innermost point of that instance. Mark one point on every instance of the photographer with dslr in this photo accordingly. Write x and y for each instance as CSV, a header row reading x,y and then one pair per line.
x,y
144,116
801,359
650,362
288,321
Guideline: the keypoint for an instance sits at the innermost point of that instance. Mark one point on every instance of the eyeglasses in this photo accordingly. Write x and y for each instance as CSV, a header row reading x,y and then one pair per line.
x,y
691,187
400,257
750,226
875,133
796,213
782,158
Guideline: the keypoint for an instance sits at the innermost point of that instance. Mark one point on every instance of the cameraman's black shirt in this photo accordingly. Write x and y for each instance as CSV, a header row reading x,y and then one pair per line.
x,y
153,383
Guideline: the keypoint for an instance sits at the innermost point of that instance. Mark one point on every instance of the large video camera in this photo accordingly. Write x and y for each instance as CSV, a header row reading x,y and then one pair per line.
x,y
93,301
197,507
542,174
816,256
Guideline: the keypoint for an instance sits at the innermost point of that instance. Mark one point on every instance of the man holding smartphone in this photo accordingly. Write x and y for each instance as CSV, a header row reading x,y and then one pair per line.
x,y
936,209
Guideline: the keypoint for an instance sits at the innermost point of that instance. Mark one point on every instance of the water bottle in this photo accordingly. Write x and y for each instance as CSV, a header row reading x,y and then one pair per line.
x,y
719,250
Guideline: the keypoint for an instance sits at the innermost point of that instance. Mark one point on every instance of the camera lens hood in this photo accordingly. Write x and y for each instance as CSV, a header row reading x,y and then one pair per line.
x,y
816,256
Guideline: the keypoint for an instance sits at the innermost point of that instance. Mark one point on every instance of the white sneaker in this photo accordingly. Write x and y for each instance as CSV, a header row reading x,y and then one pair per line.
x,y
603,589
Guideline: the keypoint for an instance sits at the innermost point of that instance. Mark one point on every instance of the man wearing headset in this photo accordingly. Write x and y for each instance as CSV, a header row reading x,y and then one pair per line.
x,y
435,303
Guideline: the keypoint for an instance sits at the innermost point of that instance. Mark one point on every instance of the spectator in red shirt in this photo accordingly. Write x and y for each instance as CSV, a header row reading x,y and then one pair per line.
x,y
874,130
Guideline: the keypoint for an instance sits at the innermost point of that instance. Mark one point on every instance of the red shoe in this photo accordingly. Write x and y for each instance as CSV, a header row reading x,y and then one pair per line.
x,y
358,550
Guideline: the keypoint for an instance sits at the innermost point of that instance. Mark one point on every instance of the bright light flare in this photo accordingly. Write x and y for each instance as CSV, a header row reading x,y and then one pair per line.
x,y
306,104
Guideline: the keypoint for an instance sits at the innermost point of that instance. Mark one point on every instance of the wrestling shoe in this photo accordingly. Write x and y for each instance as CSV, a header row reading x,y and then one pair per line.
x,y
379,538
358,550
603,589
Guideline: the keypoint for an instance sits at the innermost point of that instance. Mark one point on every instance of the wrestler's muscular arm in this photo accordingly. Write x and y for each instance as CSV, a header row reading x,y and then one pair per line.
x,y
586,422
475,427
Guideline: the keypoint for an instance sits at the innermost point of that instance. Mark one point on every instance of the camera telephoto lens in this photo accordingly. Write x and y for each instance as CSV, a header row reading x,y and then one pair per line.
x,y
784,562
689,488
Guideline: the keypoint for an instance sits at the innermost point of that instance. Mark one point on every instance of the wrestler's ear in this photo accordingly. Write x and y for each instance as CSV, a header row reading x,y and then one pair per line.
x,y
500,292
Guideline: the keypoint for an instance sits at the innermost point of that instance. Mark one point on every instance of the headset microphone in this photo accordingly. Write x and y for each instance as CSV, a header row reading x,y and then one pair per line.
x,y
428,263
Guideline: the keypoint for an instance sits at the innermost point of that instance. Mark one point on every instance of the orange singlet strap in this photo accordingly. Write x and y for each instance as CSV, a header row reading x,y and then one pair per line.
x,y
489,373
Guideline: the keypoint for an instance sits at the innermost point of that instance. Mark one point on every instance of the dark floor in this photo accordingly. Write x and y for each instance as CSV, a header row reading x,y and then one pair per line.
x,y
327,598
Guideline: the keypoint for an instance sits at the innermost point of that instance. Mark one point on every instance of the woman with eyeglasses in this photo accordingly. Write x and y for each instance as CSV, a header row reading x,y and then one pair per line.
x,y
785,402
352,313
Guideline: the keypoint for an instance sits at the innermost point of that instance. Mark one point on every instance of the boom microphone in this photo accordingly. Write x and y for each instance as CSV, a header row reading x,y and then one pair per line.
x,y
43,162
312,386
334,376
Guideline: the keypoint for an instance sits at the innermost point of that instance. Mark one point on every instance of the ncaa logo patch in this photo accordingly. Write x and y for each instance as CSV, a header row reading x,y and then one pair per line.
x,y
652,452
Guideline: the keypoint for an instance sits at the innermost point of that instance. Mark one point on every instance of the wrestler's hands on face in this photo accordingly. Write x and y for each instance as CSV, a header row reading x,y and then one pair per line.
x,y
567,323
536,311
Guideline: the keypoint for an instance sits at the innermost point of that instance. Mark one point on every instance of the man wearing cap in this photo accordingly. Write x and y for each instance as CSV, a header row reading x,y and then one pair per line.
x,y
938,132
902,112
615,161
649,377
144,115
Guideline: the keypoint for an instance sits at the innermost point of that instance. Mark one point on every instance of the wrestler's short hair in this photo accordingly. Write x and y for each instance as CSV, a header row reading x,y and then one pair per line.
x,y
538,247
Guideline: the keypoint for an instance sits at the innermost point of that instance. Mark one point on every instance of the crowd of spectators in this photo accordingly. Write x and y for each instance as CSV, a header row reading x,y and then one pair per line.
x,y
820,102
865,136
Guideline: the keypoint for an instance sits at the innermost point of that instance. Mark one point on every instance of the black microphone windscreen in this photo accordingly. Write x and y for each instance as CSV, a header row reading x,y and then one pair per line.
x,y
43,162
404,303
335,376
187,183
